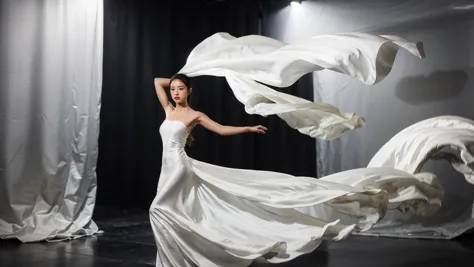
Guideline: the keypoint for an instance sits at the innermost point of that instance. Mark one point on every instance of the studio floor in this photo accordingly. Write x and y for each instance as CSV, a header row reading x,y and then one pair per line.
x,y
128,242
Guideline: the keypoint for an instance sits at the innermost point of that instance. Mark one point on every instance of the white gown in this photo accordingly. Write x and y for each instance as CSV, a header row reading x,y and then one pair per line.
x,y
207,215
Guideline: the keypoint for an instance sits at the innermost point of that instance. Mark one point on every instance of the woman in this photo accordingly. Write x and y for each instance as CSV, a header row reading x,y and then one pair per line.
x,y
207,215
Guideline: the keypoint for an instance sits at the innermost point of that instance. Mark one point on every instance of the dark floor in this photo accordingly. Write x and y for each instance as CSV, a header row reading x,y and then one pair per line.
x,y
128,241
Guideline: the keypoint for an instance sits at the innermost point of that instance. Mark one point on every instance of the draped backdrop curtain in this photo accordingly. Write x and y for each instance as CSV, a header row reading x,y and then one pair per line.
x,y
50,91
147,39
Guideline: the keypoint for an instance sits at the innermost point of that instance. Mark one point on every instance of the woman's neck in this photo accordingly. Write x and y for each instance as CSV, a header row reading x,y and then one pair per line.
x,y
182,107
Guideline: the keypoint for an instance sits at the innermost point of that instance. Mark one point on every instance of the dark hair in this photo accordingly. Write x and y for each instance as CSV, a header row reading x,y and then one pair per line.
x,y
182,77
187,81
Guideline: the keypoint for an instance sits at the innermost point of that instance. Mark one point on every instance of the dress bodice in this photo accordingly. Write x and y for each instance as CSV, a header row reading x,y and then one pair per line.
x,y
173,135
175,168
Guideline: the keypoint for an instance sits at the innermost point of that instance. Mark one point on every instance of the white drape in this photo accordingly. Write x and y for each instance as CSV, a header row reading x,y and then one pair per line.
x,y
50,80
248,61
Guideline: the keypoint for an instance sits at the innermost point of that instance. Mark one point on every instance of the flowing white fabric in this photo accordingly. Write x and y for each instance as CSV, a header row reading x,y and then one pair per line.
x,y
208,215
51,81
411,148
249,61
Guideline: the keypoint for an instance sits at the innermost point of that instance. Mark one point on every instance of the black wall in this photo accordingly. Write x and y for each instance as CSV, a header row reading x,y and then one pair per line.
x,y
147,39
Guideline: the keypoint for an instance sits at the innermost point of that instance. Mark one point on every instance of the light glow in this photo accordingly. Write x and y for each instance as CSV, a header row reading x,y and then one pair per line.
x,y
295,3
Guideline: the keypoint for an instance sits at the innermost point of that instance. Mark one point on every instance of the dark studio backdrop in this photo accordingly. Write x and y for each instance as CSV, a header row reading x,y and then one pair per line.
x,y
148,39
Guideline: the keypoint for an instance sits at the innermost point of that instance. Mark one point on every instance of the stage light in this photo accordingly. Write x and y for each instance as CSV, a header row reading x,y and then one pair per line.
x,y
295,3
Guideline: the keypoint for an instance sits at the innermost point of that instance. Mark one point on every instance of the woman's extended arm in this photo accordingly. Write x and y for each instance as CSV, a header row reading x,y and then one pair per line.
x,y
213,126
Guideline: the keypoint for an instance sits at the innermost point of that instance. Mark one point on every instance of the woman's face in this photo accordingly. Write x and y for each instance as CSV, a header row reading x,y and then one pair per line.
x,y
179,91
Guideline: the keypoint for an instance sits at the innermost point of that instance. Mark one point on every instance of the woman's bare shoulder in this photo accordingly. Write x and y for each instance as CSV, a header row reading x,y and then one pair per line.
x,y
196,115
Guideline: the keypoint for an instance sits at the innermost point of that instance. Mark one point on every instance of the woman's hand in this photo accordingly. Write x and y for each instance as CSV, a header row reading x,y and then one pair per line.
x,y
258,129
